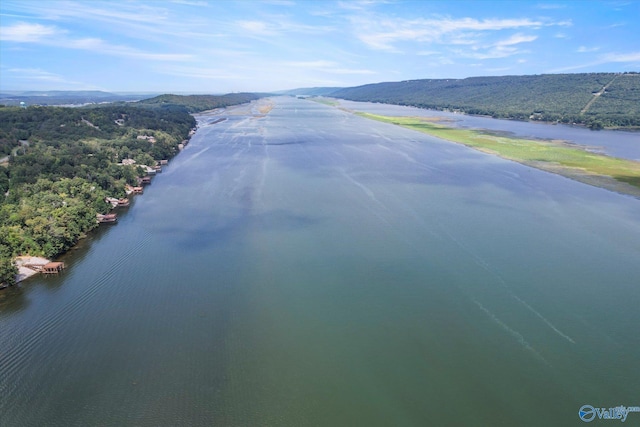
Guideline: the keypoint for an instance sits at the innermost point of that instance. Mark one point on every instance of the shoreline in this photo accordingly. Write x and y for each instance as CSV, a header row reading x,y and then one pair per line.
x,y
28,266
21,261
584,172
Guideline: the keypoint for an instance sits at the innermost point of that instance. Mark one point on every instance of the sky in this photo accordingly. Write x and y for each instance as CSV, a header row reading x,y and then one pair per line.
x,y
223,46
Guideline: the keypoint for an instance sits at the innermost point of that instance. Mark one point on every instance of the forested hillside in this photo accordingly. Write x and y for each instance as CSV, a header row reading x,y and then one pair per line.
x,y
57,166
196,103
566,98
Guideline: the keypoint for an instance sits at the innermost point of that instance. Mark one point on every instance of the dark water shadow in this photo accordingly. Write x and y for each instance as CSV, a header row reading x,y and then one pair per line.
x,y
13,299
205,234
285,143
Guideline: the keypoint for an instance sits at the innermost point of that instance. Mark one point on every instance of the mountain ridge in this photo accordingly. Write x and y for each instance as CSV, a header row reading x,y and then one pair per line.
x,y
596,100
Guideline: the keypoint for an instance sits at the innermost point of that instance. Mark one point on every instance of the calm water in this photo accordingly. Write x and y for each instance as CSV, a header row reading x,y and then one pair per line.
x,y
313,268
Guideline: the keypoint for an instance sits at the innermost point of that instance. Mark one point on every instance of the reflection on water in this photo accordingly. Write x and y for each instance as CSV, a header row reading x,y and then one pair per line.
x,y
369,276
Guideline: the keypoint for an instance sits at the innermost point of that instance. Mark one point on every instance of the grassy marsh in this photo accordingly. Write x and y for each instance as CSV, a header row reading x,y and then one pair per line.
x,y
326,101
613,173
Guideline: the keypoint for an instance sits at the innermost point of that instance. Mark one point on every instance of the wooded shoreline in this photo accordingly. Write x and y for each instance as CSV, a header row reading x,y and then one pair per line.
x,y
67,165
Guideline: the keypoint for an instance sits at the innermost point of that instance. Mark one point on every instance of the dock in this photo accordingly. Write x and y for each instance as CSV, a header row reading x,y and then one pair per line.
x,y
53,268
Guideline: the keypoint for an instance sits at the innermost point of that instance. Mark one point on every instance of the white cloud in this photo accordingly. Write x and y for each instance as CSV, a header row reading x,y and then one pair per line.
x,y
28,33
632,58
584,49
427,52
278,25
34,77
137,20
257,27
622,57
385,33
498,49
53,36
35,74
449,25
116,14
516,39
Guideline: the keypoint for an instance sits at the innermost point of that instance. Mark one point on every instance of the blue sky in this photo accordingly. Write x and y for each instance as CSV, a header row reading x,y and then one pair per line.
x,y
214,46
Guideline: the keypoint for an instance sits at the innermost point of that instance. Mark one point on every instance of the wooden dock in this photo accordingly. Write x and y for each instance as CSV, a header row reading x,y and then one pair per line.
x,y
53,268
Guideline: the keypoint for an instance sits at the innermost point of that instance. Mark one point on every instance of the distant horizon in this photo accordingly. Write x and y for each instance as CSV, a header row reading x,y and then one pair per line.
x,y
187,93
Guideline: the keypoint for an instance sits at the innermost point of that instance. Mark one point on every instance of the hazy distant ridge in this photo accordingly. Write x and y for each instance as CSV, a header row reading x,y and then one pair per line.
x,y
62,97
310,91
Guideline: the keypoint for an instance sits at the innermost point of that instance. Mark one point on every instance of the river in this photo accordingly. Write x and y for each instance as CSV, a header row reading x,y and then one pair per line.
x,y
312,267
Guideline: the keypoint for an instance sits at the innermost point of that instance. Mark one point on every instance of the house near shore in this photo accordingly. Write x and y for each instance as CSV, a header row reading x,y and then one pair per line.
x,y
53,268
133,190
117,202
106,218
31,265
149,138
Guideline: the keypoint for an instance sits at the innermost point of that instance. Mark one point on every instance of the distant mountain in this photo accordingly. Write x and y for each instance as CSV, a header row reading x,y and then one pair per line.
x,y
309,91
196,103
62,97
594,99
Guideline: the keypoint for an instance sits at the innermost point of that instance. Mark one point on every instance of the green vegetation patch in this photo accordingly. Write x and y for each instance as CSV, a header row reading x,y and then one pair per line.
x,y
548,155
326,101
